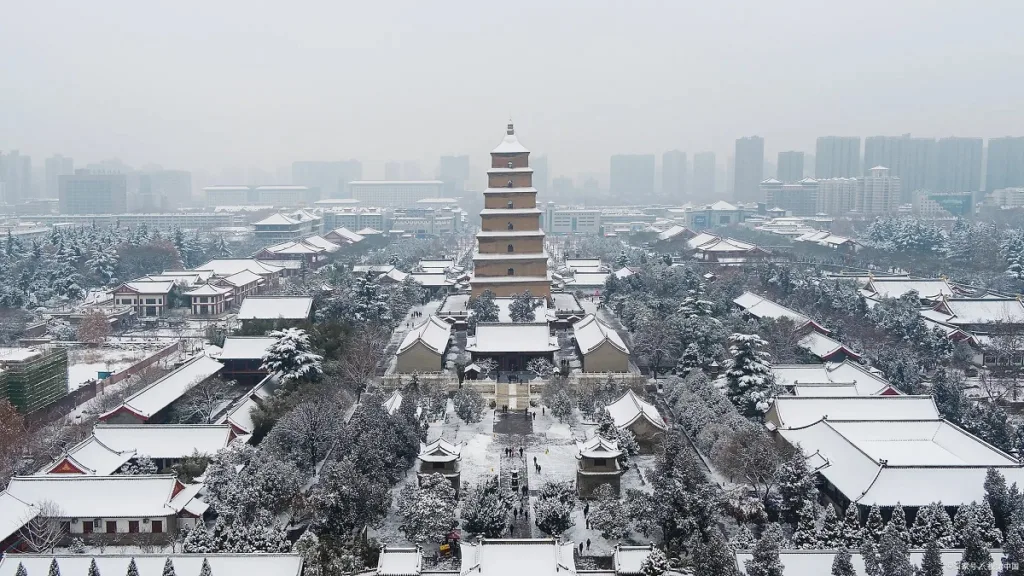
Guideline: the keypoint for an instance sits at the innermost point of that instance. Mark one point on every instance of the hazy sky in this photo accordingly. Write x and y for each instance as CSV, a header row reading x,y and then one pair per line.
x,y
192,84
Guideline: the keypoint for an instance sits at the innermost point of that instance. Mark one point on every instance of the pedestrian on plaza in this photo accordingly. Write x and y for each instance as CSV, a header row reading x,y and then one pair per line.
x,y
515,513
520,451
581,548
586,509
588,543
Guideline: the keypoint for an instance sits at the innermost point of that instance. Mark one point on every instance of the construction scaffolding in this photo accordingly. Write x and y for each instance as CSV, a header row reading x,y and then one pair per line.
x,y
33,378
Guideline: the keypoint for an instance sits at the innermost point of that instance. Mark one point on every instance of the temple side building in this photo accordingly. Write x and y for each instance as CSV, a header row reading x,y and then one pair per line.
x,y
510,257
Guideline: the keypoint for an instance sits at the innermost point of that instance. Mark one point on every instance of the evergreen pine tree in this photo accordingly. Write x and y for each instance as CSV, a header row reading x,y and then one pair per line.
x,y
831,534
805,536
875,525
205,570
841,564
750,383
133,570
966,515
894,555
977,560
852,531
987,524
1013,551
1013,506
931,563
21,571
656,564
742,539
898,521
932,523
199,540
54,568
796,487
713,558
765,559
94,570
996,496
869,555
168,568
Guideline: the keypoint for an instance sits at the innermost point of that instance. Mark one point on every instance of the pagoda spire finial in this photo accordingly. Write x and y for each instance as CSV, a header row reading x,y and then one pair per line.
x,y
510,130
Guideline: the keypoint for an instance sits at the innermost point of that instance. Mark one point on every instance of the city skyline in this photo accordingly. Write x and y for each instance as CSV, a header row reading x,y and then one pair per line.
x,y
316,94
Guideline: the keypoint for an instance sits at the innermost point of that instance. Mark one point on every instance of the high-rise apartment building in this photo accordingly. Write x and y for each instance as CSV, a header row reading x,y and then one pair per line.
x,y
837,196
912,160
395,193
879,193
837,157
329,178
673,175
412,171
749,169
798,199
791,167
89,193
392,170
16,174
454,172
631,176
1005,166
958,165
55,167
704,174
164,190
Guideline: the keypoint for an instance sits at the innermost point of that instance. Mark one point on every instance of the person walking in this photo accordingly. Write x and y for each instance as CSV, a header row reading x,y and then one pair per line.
x,y
581,548
588,543
586,509
520,451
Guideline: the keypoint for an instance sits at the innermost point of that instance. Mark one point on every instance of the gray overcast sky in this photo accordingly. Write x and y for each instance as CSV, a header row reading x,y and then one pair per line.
x,y
195,84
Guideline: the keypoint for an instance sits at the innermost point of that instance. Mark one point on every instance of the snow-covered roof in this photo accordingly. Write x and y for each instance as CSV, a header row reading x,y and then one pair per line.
x,y
180,279
598,447
761,307
797,411
440,450
90,456
582,262
14,514
228,266
434,333
165,441
819,562
153,564
274,307
432,279
566,302
294,248
243,278
277,220
240,415
928,289
512,556
509,144
824,347
368,231
982,310
399,561
160,394
630,407
629,559
526,338
148,287
588,279
864,381
245,347
118,496
322,242
509,211
375,268
396,275
203,275
910,462
722,205
591,333
347,235
393,403
673,232
208,290
509,233
624,272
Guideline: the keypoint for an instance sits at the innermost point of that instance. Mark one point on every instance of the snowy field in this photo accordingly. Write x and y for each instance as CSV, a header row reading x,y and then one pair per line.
x,y
85,363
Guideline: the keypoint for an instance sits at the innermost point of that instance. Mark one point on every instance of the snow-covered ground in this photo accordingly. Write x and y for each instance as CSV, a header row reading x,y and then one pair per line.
x,y
85,363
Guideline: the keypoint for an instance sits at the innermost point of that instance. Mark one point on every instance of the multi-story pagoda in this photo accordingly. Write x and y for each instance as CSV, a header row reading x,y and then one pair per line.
x,y
510,257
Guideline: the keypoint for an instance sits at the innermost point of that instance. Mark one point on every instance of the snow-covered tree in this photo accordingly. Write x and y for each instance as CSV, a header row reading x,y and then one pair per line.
x,y
61,330
875,525
55,569
305,433
842,565
805,535
94,327
796,486
102,263
198,540
831,533
561,406
369,302
713,558
205,570
554,507
898,521
169,568
347,499
853,533
133,570
743,539
931,563
622,260
469,404
932,523
428,511
484,308
21,571
869,556
523,307
204,401
750,383
1013,551
996,496
894,555
541,367
765,558
608,514
656,564
138,466
977,560
488,509
94,570
291,356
